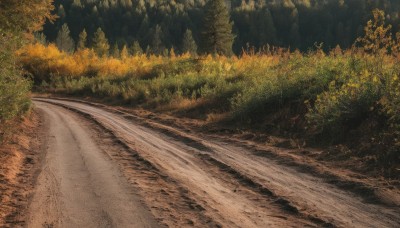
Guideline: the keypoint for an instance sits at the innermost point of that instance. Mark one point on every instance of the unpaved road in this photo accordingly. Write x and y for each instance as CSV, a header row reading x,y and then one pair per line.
x,y
185,180
79,186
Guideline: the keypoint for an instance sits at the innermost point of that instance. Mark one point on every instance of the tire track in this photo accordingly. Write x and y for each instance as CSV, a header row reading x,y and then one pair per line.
x,y
201,158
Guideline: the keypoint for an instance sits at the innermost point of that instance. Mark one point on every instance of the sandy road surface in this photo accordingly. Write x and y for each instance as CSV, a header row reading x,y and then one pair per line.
x,y
79,186
232,187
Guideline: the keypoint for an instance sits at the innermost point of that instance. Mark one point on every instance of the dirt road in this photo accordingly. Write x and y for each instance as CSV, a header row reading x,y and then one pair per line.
x,y
91,173
79,186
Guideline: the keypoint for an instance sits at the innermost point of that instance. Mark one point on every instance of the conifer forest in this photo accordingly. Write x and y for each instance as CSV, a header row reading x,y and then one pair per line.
x,y
159,24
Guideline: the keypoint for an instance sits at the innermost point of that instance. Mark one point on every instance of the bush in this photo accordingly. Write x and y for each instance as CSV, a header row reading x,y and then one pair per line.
x,y
14,89
338,91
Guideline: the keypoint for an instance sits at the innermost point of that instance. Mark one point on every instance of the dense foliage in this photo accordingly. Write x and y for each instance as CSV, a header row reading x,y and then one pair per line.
x,y
18,18
295,23
216,33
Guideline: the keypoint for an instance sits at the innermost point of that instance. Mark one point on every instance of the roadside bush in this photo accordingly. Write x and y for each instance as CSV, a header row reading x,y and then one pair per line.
x,y
14,89
335,92
294,80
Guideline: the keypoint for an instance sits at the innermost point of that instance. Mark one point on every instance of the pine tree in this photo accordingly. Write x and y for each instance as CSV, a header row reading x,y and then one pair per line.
x,y
40,38
148,50
100,43
115,51
136,49
157,46
82,42
64,41
267,30
189,44
61,13
216,34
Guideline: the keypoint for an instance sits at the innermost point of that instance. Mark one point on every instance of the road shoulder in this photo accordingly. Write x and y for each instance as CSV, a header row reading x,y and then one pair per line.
x,y
20,161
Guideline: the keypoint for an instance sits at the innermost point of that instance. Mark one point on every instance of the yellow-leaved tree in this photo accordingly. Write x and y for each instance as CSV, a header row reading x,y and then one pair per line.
x,y
378,37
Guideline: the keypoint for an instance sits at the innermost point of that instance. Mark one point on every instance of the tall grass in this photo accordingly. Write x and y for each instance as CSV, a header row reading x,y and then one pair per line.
x,y
329,95
336,89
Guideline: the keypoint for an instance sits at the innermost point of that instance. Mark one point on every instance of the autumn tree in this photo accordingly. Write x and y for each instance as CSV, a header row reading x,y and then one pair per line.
x,y
124,52
19,19
82,41
189,44
27,16
115,51
64,41
396,46
100,43
216,34
377,38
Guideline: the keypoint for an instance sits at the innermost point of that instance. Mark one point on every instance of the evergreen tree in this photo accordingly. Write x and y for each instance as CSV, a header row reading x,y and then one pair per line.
x,y
100,43
61,13
294,35
148,50
136,49
157,46
216,34
115,51
82,42
64,41
40,38
267,35
294,23
189,44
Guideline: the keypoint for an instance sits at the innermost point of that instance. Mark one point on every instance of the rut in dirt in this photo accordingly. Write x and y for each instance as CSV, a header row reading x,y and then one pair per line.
x,y
79,185
237,189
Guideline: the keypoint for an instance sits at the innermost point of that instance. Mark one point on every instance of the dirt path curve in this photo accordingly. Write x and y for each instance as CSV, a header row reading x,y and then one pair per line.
x,y
237,189
79,186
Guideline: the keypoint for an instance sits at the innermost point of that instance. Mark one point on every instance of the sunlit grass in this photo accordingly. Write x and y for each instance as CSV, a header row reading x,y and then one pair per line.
x,y
336,87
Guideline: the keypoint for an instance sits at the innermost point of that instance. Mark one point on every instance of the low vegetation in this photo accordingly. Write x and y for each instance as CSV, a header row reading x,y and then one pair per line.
x,y
344,94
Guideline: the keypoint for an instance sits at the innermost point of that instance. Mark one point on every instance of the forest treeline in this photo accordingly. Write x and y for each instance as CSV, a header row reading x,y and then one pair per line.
x,y
160,24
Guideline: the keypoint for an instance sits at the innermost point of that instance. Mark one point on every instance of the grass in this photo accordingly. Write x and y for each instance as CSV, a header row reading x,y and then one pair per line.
x,y
345,96
334,89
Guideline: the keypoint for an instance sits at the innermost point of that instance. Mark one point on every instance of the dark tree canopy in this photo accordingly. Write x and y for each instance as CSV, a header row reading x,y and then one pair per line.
x,y
216,33
287,23
188,43
157,45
